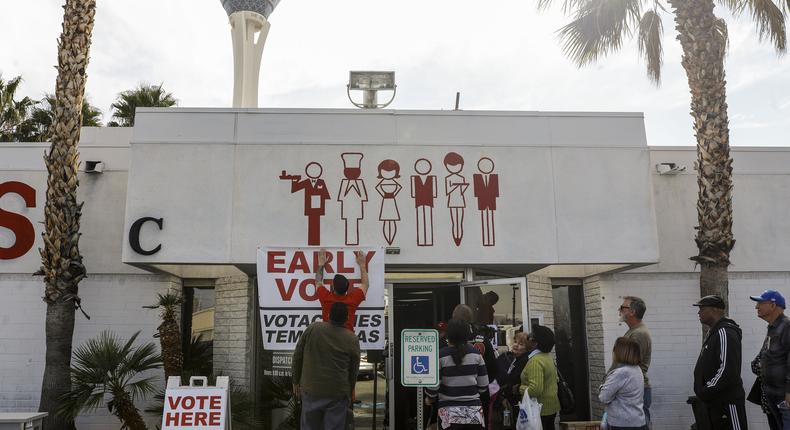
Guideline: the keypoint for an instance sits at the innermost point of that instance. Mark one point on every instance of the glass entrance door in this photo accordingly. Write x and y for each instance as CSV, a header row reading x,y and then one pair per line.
x,y
500,304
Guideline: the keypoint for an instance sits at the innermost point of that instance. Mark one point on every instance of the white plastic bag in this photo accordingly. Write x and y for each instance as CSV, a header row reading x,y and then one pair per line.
x,y
528,414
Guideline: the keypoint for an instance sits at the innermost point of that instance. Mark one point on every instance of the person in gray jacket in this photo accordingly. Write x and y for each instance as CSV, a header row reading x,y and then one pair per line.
x,y
623,388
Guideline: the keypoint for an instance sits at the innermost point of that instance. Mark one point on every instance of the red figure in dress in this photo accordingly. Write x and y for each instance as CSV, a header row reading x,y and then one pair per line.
x,y
455,186
423,190
315,196
486,186
388,188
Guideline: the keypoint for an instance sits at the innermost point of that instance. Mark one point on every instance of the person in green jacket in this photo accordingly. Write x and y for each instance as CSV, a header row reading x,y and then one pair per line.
x,y
539,377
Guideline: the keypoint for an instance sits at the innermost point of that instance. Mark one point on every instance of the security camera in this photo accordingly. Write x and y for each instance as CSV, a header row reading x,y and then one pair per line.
x,y
94,167
669,168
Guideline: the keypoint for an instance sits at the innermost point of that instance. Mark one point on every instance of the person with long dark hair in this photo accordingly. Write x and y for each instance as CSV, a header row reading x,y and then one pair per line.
x,y
539,377
462,377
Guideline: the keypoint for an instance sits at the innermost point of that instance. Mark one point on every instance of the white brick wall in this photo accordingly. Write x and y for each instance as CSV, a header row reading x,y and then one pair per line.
x,y
114,302
676,333
540,299
595,335
233,325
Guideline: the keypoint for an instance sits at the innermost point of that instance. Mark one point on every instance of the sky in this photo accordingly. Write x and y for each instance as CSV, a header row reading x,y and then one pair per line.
x,y
500,55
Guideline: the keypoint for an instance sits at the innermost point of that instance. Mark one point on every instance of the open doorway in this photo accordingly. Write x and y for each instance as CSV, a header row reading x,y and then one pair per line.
x,y
416,306
571,346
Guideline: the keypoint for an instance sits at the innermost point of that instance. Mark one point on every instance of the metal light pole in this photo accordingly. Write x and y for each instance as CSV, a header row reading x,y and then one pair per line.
x,y
249,28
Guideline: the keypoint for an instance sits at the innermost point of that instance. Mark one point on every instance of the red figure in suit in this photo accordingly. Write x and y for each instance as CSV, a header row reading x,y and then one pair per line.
x,y
315,196
486,186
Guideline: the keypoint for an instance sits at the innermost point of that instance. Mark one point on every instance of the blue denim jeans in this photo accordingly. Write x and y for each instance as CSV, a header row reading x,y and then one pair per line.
x,y
781,415
646,405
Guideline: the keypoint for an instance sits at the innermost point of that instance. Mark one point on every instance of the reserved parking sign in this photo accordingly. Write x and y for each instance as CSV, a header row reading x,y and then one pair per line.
x,y
419,358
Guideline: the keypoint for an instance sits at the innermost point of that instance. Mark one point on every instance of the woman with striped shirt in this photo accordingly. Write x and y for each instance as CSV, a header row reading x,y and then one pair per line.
x,y
462,377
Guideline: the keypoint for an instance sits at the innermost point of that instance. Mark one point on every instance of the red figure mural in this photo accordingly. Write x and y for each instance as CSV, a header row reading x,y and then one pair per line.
x,y
352,195
455,186
315,196
423,190
486,189
388,188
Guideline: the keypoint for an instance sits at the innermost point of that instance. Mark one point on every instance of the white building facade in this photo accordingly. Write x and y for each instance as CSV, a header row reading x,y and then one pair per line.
x,y
463,200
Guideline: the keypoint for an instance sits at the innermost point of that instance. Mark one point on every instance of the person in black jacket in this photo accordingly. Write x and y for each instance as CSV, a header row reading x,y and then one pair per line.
x,y
772,361
717,375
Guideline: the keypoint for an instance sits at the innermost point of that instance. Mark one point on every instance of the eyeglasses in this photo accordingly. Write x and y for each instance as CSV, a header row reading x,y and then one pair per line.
x,y
624,307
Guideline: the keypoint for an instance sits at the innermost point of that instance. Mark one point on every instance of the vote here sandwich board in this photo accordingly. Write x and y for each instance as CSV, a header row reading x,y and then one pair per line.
x,y
196,407
288,296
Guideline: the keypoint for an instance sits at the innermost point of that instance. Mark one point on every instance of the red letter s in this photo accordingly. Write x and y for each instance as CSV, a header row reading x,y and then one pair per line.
x,y
18,224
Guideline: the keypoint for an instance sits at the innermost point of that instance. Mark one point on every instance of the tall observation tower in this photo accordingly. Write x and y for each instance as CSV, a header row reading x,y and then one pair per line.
x,y
249,28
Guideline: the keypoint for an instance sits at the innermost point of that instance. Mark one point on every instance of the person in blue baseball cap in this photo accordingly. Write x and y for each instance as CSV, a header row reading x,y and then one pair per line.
x,y
770,365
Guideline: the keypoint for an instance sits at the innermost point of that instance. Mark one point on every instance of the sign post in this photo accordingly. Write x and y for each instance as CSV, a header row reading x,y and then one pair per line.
x,y
419,363
196,407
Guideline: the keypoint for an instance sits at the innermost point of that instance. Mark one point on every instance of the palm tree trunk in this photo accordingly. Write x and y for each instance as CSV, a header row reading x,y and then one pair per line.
x,y
127,412
170,343
61,261
702,37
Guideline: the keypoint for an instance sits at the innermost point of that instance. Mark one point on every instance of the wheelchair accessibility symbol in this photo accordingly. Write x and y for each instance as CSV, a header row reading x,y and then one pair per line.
x,y
419,364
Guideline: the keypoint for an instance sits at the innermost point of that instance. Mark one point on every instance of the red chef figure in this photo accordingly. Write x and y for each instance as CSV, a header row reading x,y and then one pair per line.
x,y
352,196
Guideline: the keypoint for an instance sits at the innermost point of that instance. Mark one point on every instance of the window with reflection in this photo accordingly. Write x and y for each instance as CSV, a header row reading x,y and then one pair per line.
x,y
198,330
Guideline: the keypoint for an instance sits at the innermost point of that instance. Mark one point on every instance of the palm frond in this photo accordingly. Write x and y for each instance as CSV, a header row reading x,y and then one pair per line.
x,y
599,28
769,18
141,388
770,21
651,32
144,95
106,365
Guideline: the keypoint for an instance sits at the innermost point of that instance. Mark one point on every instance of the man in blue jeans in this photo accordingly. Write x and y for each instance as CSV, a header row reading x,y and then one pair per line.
x,y
774,355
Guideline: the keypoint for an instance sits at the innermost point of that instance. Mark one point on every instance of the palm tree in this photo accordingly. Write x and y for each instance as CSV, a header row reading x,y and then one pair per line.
x,y
13,113
143,96
61,261
600,26
39,125
169,333
107,368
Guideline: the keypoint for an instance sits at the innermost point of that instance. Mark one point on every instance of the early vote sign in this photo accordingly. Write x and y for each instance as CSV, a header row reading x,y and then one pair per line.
x,y
196,407
288,296
419,358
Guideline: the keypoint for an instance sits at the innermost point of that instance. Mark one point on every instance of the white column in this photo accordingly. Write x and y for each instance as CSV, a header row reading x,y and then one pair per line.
x,y
249,31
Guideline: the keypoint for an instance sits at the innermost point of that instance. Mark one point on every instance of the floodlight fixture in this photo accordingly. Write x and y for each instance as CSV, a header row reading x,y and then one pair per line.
x,y
370,83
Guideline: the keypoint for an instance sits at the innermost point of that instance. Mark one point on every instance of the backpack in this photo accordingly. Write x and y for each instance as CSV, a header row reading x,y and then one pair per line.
x,y
565,395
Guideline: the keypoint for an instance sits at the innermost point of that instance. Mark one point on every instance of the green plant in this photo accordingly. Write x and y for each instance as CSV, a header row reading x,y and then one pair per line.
x,y
107,369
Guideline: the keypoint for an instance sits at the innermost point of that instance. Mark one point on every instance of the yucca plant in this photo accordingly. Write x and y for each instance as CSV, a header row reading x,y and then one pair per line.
x,y
169,333
106,370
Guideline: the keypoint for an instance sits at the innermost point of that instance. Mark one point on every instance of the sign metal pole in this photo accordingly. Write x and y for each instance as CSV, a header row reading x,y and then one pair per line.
x,y
420,400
